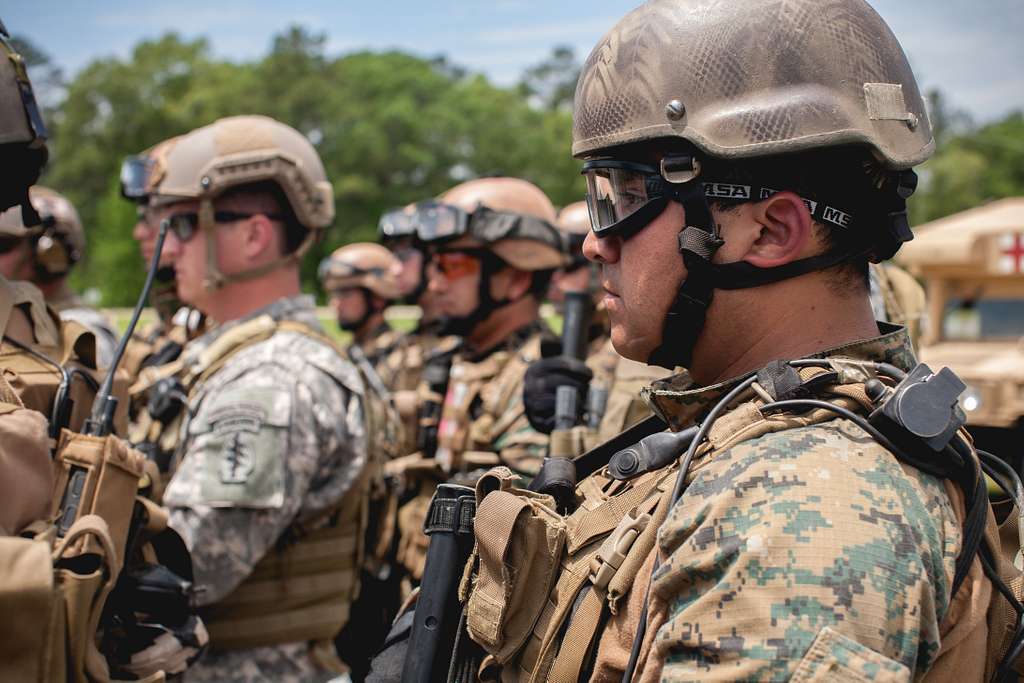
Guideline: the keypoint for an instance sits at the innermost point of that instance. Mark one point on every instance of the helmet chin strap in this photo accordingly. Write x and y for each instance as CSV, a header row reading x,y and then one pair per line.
x,y
368,310
215,279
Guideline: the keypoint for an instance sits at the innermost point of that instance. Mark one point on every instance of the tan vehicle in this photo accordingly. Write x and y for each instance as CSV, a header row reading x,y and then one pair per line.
x,y
972,264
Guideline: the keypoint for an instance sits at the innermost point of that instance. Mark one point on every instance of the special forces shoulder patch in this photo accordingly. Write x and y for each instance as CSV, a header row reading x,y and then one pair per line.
x,y
242,439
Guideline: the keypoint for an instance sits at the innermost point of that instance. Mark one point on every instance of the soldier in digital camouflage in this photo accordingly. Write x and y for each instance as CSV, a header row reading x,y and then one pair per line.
x,y
744,164
270,479
493,249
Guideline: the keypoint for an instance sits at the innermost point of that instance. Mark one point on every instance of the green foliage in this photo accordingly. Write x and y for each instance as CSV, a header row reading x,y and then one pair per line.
x,y
972,167
391,128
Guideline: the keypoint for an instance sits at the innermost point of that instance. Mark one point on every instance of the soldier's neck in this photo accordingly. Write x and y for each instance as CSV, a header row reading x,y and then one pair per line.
x,y
365,332
54,291
787,324
501,323
236,300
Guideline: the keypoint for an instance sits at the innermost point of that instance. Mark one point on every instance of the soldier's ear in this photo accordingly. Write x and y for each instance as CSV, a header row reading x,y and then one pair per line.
x,y
261,237
784,231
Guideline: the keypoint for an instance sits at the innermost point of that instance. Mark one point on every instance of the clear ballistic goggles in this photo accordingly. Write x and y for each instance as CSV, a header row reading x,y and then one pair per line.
x,y
622,196
335,269
437,222
397,223
135,174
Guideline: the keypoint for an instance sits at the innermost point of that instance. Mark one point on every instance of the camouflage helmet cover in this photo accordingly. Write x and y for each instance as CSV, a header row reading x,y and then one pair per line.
x,y
526,245
751,79
242,150
363,264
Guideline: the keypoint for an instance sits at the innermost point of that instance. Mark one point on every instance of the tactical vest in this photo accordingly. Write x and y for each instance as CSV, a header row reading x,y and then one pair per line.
x,y
56,375
474,408
303,589
542,590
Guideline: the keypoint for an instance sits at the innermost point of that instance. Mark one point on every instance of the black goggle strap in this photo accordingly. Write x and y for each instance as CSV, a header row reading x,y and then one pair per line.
x,y
698,242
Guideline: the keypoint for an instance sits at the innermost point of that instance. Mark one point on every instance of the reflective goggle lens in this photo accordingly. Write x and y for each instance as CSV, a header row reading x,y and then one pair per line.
x,y
614,194
335,269
456,264
397,223
436,221
134,177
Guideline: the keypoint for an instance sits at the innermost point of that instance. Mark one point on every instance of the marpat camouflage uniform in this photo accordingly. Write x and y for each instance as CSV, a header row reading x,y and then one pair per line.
x,y
483,422
809,550
274,434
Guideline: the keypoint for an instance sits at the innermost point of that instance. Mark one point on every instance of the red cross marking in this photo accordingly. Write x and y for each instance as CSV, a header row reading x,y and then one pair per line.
x,y
1015,251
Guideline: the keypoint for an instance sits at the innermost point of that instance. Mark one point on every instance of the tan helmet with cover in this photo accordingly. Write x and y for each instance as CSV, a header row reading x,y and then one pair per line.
x,y
752,79
59,240
719,93
23,151
364,264
246,150
511,217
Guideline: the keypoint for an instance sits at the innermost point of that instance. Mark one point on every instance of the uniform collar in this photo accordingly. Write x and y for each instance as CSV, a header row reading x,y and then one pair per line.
x,y
300,308
679,403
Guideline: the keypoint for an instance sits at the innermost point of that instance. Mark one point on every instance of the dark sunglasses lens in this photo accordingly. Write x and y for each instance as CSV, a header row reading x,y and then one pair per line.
x,y
183,226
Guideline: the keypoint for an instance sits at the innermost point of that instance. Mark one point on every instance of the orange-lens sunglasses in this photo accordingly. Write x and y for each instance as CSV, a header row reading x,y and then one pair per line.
x,y
456,264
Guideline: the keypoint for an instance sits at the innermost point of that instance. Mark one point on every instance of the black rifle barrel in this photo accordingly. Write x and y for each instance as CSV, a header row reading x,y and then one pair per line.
x,y
435,625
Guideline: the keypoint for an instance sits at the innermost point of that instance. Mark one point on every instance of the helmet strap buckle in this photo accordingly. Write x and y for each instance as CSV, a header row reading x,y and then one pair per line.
x,y
680,168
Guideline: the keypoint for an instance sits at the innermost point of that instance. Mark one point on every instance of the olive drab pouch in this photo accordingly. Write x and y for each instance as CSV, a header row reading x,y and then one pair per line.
x,y
96,475
520,541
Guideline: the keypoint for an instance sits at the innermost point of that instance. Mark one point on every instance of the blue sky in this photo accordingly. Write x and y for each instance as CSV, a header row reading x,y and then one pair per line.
x,y
972,50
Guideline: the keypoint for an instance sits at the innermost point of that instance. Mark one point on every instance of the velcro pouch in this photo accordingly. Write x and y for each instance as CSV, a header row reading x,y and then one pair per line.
x,y
96,475
520,540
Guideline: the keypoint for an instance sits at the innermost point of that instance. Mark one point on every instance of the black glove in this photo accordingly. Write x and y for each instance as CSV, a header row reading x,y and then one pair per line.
x,y
540,386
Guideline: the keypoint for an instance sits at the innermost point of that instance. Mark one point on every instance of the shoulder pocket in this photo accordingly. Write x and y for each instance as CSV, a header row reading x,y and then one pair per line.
x,y
836,658
240,441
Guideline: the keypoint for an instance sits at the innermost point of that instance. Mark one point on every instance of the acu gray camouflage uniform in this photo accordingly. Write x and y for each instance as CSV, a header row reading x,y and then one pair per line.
x,y
274,435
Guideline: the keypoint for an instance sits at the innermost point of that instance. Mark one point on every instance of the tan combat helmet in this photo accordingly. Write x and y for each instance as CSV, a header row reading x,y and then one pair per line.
x,y
244,150
511,217
715,84
59,239
752,79
363,264
23,151
574,224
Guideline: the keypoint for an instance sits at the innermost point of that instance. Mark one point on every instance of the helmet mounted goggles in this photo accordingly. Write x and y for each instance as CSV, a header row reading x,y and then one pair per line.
x,y
135,176
396,224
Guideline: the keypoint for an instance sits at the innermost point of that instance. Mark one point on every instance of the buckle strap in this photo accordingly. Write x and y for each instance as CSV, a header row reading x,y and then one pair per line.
x,y
451,515
615,548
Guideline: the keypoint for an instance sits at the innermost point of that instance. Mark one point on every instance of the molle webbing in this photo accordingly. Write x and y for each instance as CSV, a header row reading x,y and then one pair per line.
x,y
303,589
299,592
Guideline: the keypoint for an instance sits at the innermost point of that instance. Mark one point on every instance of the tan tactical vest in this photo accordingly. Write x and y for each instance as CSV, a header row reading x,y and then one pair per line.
x,y
59,361
594,567
57,575
303,589
464,441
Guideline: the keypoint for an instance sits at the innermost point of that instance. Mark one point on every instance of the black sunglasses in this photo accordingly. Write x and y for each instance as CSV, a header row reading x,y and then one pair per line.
x,y
186,225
